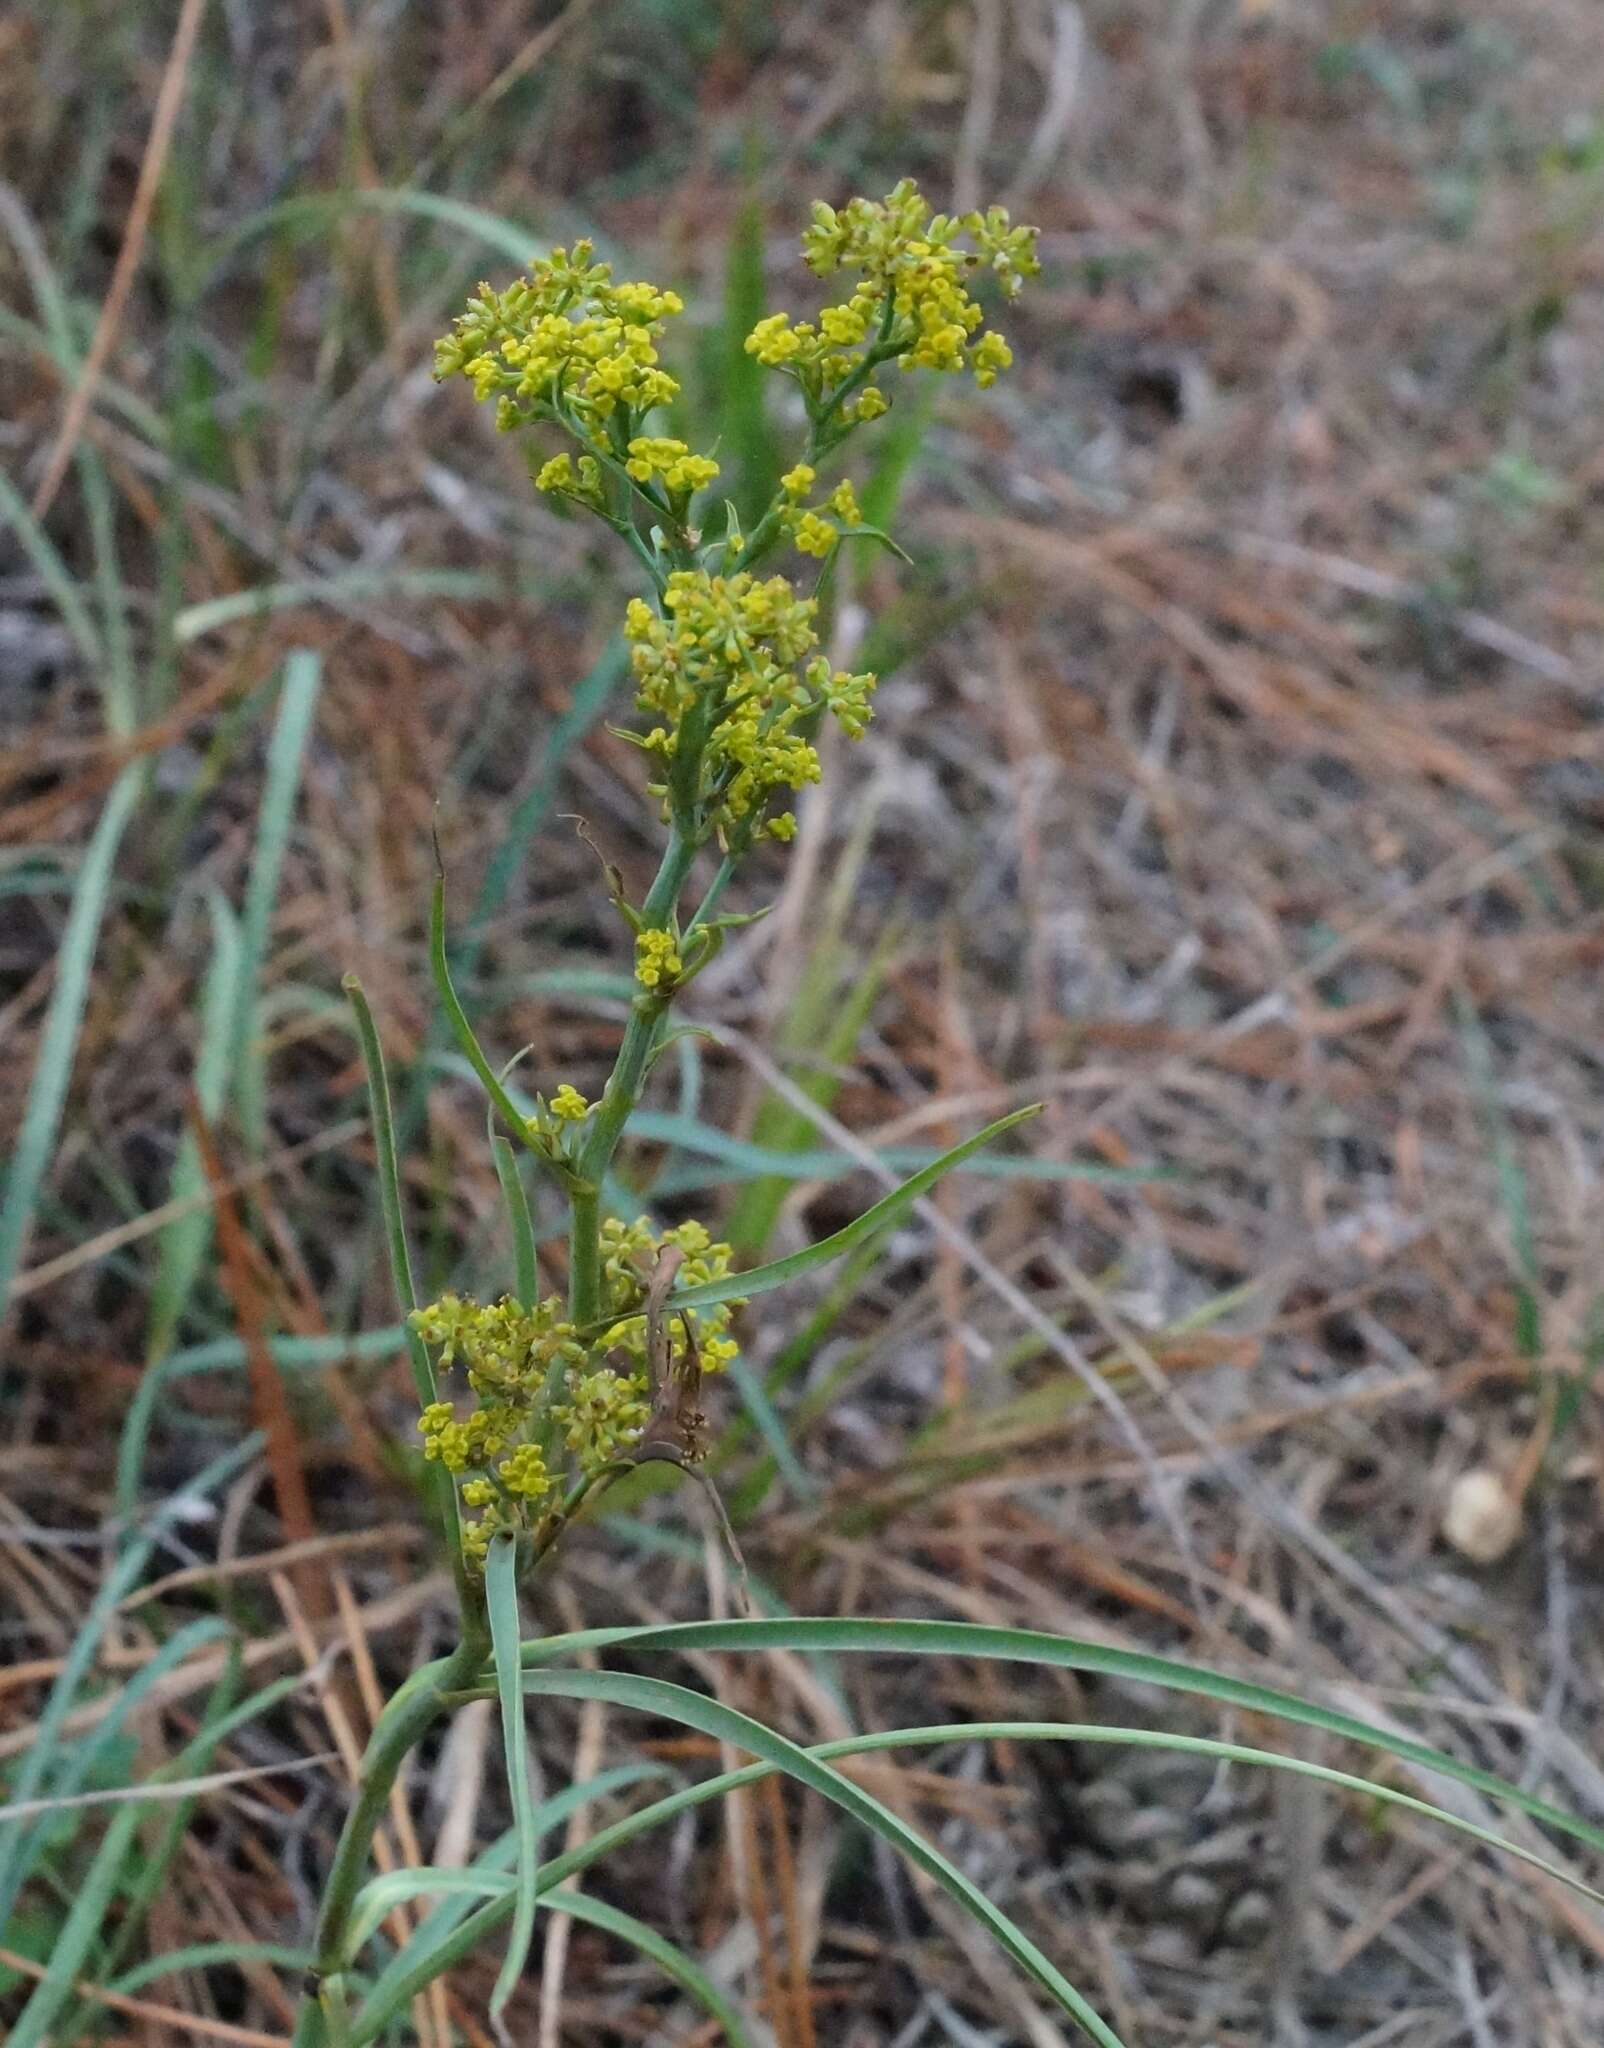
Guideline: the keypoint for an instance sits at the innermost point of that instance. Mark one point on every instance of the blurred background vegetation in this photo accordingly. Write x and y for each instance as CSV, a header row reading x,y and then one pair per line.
x,y
1238,787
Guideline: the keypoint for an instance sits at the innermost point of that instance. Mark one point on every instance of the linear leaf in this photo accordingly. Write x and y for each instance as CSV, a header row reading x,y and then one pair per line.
x,y
501,1601
1067,1653
52,1067
760,1279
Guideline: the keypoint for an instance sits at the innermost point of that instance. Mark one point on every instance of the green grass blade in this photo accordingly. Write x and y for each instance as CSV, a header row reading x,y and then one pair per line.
x,y
99,1888
515,1198
501,1602
744,428
77,1764
203,1955
760,1279
440,1488
181,1247
457,1018
47,1088
400,1984
672,1960
733,1159
1065,1653
590,699
709,1716
350,586
395,1228
303,672
506,237
381,1895
51,570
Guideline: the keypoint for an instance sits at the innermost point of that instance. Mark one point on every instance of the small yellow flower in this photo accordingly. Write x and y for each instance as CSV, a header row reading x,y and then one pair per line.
x,y
774,341
657,959
814,536
796,483
869,404
843,502
569,1104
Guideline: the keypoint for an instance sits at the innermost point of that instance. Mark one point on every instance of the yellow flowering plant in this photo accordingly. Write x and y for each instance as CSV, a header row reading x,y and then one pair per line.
x,y
531,1405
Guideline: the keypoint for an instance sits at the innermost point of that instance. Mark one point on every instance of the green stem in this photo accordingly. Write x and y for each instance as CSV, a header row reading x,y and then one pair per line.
x,y
397,1732
640,1034
584,1254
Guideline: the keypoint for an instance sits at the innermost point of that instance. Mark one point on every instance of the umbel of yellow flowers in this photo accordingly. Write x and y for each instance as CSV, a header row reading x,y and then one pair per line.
x,y
537,1392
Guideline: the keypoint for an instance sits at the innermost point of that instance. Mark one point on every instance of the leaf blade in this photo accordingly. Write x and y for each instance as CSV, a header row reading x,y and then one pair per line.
x,y
778,1272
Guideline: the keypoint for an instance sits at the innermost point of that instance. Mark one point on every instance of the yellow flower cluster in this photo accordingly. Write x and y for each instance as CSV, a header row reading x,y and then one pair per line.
x,y
721,664
682,472
657,959
507,1353
564,339
569,1104
557,479
913,305
811,533
629,1250
606,1409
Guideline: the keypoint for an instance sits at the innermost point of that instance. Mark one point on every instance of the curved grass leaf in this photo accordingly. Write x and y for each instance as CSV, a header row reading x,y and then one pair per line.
x,y
408,1975
462,1030
760,1279
515,1199
98,1888
303,673
712,1717
350,586
1068,1653
672,1960
380,1896
501,1602
508,238
52,1067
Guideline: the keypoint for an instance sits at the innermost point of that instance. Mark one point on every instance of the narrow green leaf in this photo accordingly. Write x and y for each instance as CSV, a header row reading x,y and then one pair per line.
x,y
93,1895
508,238
457,1017
303,671
760,1279
400,1984
501,1601
395,1228
672,1960
52,1067
381,1895
440,1488
725,1724
181,1247
51,570
742,380
352,586
515,1198
1065,1653
202,1955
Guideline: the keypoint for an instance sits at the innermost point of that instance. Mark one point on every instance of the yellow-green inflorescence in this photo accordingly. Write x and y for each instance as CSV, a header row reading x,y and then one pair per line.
x,y
546,1408
731,681
564,339
725,667
912,305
